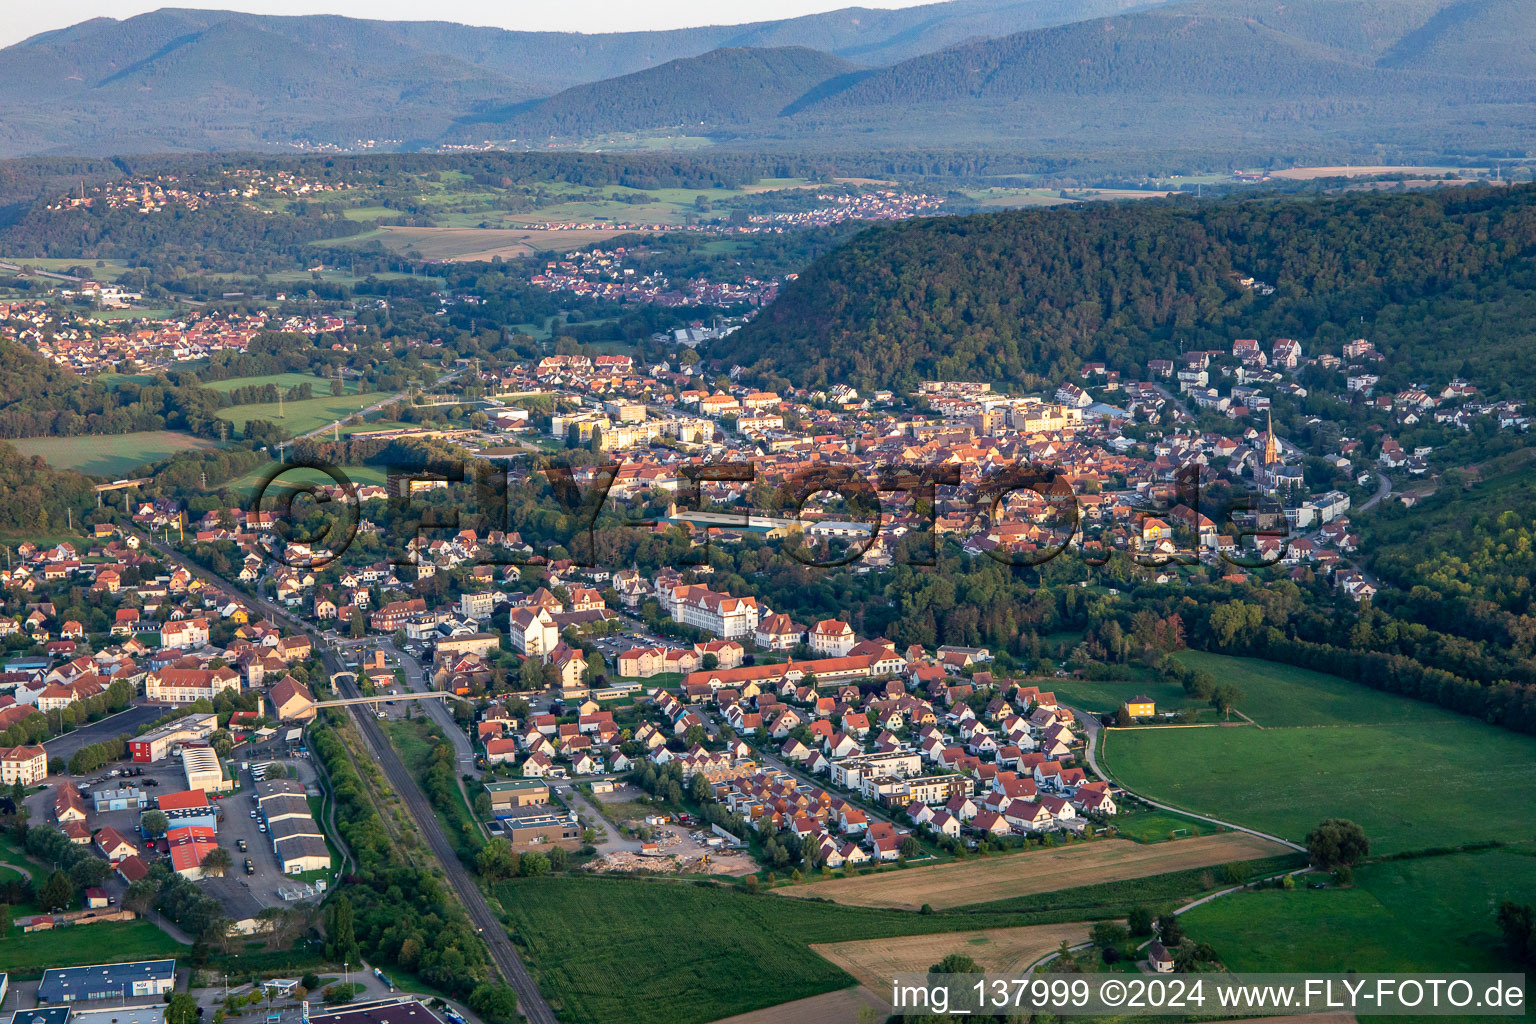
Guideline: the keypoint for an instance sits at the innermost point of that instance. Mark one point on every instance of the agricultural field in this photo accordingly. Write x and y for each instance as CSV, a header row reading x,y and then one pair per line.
x,y
996,878
995,950
109,270
838,1007
1099,900
359,475
708,952
471,244
110,455
300,417
1427,914
1396,766
134,313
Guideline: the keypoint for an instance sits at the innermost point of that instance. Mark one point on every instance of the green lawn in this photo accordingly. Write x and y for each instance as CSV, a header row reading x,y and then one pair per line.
x,y
1431,914
706,953
359,475
159,313
300,417
1279,695
1412,780
1106,696
282,380
414,739
28,955
110,455
1160,826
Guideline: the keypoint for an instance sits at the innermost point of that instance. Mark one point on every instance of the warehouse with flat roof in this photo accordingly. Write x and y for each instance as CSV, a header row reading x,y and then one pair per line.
x,y
107,981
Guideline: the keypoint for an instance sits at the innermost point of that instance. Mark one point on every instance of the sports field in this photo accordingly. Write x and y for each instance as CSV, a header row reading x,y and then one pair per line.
x,y
1405,770
1045,870
110,455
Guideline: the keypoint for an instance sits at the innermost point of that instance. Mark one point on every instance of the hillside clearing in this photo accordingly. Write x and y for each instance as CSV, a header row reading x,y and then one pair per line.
x,y
110,455
996,878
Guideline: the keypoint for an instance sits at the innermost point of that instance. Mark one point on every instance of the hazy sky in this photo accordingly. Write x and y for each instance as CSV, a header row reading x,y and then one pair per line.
x,y
27,19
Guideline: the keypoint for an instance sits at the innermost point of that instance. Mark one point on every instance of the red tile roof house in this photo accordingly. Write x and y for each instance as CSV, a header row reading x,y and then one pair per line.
x,y
113,846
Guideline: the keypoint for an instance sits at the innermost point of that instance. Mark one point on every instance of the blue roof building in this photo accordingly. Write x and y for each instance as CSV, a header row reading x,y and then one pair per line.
x,y
107,981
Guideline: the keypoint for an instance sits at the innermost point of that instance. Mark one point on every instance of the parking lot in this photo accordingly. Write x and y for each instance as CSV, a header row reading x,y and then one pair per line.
x,y
235,823
128,721
618,643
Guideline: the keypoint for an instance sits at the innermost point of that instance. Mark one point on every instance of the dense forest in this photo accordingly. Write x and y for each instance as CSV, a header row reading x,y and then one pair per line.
x,y
38,498
1442,281
686,92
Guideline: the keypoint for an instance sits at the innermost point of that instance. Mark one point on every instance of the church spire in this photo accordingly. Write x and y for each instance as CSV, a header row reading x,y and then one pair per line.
x,y
1271,448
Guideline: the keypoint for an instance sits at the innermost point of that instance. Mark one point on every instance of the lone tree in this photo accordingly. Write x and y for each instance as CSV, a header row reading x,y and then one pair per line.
x,y
955,963
1337,842
217,861
155,823
1224,697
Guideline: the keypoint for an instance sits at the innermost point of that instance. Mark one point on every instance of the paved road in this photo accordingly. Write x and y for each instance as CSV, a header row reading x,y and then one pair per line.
x,y
1383,488
123,722
529,999
1092,727
611,841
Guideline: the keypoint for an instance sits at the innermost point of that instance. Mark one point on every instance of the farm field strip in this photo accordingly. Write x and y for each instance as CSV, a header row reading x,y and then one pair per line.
x,y
995,950
1001,877
110,455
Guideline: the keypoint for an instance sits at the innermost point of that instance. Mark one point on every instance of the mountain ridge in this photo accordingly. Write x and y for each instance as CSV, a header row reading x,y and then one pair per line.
x,y
58,92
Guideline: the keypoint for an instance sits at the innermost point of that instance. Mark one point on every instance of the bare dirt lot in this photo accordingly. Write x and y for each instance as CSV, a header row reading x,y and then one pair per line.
x,y
999,950
467,245
995,878
840,1007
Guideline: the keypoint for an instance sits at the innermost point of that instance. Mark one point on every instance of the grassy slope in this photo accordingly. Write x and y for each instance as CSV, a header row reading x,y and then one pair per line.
x,y
1431,914
111,455
1406,771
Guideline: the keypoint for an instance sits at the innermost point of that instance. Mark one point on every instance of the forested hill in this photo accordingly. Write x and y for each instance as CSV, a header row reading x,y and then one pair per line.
x,y
194,80
1359,50
686,92
1443,281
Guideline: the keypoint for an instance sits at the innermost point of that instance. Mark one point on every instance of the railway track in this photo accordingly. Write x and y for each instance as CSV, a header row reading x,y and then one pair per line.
x,y
530,1001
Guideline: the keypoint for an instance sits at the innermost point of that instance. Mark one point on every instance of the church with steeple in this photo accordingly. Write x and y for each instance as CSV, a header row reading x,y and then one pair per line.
x,y
1272,475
